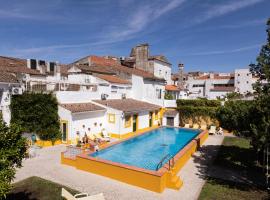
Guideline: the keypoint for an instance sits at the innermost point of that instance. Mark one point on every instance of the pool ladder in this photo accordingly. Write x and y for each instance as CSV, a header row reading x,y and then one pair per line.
x,y
167,157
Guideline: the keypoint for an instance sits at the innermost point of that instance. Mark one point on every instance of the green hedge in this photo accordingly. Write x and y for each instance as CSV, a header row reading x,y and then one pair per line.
x,y
198,102
38,113
192,111
197,110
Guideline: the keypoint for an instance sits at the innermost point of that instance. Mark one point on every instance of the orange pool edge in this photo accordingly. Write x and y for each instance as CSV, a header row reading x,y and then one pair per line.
x,y
155,181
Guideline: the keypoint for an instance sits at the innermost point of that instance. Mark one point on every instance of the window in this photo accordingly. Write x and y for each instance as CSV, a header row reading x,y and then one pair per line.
x,y
114,89
158,93
111,118
198,85
247,82
238,74
160,72
247,74
127,121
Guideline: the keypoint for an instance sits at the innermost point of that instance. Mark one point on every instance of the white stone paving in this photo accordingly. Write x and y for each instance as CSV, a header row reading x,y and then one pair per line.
x,y
47,165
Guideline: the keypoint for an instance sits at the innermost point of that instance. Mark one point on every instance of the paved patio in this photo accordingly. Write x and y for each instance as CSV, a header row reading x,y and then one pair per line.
x,y
47,165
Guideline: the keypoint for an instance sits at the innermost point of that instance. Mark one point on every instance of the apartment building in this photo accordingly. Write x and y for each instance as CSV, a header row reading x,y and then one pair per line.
x,y
218,85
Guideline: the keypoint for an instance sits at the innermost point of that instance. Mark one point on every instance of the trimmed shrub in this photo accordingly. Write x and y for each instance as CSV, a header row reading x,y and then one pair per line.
x,y
38,113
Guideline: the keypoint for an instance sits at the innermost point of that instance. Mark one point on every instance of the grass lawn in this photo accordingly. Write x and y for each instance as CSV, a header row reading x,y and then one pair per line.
x,y
236,154
35,188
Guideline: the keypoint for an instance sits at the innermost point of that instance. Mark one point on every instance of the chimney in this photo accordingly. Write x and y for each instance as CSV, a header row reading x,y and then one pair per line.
x,y
141,54
180,84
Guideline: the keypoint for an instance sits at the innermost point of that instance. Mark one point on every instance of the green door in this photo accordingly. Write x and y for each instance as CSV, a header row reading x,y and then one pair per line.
x,y
64,131
150,119
134,121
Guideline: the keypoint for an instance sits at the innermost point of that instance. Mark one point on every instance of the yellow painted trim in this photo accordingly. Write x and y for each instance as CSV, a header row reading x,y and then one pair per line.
x,y
141,178
156,115
111,118
46,143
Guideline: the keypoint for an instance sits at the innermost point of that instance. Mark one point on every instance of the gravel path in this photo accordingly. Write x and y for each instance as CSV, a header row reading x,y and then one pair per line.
x,y
47,165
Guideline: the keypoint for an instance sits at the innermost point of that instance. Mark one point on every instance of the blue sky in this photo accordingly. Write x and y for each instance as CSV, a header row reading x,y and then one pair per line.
x,y
207,35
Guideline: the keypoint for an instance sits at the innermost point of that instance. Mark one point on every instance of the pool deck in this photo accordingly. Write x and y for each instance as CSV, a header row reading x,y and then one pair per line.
x,y
47,165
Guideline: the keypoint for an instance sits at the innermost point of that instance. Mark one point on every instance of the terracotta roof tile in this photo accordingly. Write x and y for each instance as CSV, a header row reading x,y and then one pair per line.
x,y
112,79
113,66
82,107
16,65
171,88
6,77
128,105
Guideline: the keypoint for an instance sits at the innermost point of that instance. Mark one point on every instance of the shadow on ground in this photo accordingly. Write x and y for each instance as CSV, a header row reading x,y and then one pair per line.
x,y
21,195
231,163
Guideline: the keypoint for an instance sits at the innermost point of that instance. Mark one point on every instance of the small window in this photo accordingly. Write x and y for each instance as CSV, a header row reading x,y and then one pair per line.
x,y
238,74
247,74
111,118
247,82
160,72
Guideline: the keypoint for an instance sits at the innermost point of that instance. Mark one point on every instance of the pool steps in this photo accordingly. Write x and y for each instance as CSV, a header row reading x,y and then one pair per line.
x,y
173,181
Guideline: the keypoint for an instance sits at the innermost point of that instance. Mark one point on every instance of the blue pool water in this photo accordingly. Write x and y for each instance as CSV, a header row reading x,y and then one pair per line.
x,y
146,151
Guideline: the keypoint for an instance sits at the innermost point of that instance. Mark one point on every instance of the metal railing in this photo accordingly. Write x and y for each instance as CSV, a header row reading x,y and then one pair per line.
x,y
168,157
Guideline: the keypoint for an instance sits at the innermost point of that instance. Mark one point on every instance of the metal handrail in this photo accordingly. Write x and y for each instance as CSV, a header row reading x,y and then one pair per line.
x,y
171,158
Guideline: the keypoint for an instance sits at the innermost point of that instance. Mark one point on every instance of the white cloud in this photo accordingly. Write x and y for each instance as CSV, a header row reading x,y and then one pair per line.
x,y
241,49
143,16
220,10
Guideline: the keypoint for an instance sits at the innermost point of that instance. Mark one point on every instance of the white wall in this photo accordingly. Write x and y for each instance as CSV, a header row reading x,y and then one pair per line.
x,y
143,120
88,119
244,81
162,70
176,120
215,94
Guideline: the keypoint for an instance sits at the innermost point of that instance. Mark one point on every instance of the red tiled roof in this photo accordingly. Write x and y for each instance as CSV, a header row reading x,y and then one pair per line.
x,y
6,77
64,69
128,105
16,65
225,89
113,66
82,107
171,88
112,79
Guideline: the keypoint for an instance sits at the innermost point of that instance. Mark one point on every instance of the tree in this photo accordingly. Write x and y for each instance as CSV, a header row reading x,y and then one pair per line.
x,y
38,113
168,96
12,151
261,111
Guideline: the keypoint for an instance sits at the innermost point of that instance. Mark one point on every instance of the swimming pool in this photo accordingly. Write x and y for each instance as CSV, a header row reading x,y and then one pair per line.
x,y
147,150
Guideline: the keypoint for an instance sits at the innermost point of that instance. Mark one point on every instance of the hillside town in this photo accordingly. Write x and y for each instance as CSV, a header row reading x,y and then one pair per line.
x,y
101,83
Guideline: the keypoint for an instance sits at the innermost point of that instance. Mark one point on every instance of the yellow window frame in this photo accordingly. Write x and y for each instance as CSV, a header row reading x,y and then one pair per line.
x,y
111,118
